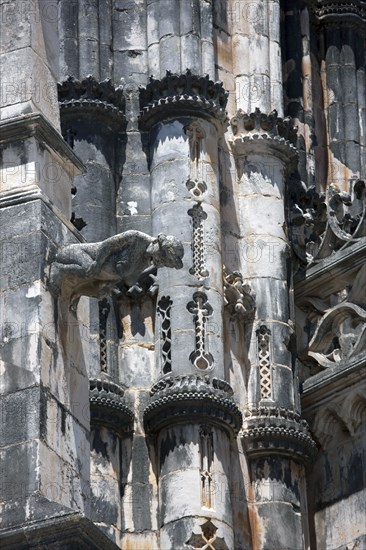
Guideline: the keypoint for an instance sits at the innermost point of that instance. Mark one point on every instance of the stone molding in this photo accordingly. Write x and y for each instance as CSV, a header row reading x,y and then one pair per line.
x,y
277,431
36,125
67,530
260,133
182,95
191,398
108,408
80,97
340,12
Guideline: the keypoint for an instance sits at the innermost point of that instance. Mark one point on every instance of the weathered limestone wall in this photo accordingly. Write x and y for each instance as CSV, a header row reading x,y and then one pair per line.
x,y
44,382
28,62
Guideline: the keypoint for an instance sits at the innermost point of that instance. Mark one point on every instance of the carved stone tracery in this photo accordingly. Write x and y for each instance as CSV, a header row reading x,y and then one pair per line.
x,y
164,311
264,357
208,539
198,268
207,454
104,309
201,309
196,134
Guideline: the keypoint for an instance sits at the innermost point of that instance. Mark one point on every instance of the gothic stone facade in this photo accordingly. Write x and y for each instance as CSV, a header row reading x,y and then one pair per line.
x,y
221,405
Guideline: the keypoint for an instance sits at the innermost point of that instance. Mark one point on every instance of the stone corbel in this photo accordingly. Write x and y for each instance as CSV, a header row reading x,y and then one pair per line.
x,y
98,269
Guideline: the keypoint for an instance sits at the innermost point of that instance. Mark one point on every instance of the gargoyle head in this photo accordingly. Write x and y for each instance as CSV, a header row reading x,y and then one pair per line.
x,y
167,251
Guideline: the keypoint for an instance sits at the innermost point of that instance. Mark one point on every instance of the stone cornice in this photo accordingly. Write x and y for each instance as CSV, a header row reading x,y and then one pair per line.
x,y
182,95
83,97
190,398
108,408
277,431
67,530
331,274
331,382
340,12
260,133
37,126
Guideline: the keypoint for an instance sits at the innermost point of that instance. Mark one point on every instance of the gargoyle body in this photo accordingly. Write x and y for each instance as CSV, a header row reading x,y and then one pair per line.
x,y
96,269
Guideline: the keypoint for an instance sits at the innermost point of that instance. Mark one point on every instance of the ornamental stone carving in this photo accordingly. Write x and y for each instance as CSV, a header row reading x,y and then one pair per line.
x,y
340,334
97,269
340,12
82,96
239,299
322,223
182,94
208,539
107,406
277,431
259,132
186,397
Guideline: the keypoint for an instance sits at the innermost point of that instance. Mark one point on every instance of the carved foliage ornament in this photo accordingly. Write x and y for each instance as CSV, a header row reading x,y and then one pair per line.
x,y
341,332
322,223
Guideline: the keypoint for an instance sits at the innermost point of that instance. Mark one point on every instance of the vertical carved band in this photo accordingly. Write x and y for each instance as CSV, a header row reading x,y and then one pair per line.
x,y
196,134
201,309
265,373
164,311
206,448
104,309
198,246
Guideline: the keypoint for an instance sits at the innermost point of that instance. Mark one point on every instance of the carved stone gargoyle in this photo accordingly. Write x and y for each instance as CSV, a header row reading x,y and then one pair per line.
x,y
98,269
